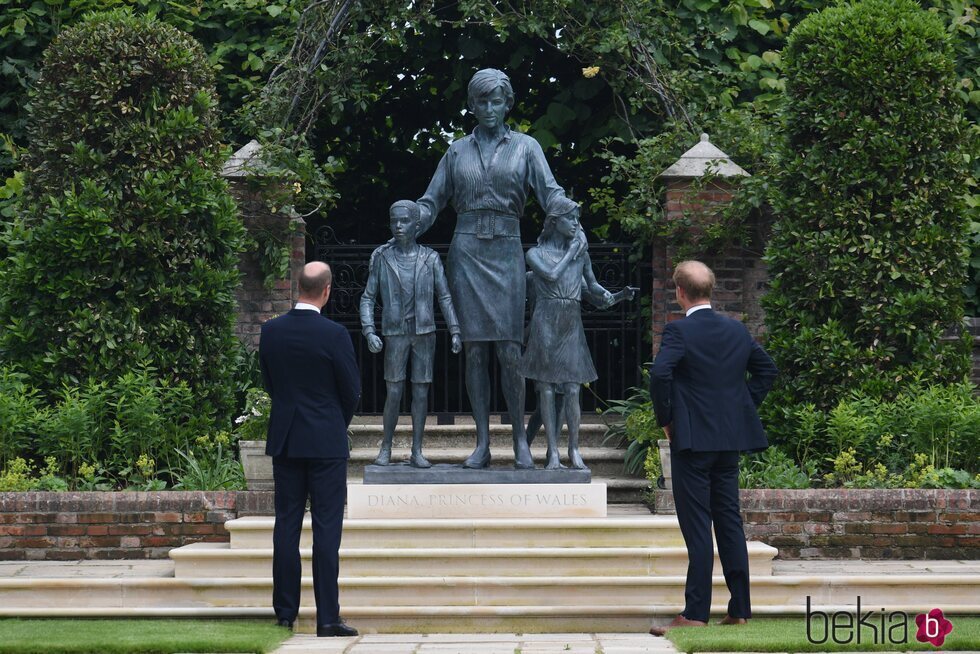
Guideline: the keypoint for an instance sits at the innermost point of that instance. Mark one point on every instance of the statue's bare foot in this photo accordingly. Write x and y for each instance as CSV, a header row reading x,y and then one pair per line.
x,y
384,457
554,462
522,455
575,460
479,459
419,461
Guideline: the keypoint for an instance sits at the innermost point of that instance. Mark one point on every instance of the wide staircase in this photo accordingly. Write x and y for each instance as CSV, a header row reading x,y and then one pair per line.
x,y
613,574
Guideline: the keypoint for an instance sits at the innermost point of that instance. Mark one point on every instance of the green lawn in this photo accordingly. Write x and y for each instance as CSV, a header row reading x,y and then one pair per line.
x,y
137,636
789,635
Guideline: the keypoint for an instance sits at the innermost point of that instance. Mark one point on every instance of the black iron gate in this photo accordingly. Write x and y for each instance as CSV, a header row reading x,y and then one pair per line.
x,y
615,336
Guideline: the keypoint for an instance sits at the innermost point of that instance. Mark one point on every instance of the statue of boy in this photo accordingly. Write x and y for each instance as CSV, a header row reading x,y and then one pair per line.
x,y
407,275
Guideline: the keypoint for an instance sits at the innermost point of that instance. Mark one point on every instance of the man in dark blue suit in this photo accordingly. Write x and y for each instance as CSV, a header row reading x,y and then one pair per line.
x,y
708,409
310,372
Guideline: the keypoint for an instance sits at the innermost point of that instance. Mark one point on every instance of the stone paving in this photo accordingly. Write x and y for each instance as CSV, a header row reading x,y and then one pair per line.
x,y
480,644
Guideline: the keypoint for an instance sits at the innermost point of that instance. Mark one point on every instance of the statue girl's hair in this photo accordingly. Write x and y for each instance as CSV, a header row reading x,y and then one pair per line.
x,y
560,206
486,81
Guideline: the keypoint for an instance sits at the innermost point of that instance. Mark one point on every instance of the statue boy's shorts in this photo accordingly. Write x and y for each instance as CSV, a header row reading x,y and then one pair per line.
x,y
422,348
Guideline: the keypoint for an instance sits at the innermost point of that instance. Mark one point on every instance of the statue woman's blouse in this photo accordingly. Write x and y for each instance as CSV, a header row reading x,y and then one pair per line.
x,y
467,183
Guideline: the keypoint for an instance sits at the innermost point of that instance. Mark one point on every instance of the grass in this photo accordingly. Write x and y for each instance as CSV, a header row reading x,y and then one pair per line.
x,y
790,635
137,636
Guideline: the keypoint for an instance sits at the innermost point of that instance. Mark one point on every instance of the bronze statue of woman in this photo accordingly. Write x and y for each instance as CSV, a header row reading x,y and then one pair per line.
x,y
486,176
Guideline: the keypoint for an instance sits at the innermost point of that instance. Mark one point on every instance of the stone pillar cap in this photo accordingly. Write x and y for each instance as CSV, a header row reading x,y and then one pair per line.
x,y
244,163
702,160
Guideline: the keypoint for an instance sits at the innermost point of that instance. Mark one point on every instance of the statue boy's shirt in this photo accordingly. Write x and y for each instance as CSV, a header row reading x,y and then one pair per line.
x,y
385,283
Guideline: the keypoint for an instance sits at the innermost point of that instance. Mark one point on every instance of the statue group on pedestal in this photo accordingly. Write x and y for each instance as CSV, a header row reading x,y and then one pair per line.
x,y
486,176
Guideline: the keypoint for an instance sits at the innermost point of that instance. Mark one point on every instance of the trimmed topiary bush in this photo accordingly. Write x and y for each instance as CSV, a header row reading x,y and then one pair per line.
x,y
867,256
124,254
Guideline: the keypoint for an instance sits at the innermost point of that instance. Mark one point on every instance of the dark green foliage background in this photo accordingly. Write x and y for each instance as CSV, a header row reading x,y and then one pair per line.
x,y
124,255
867,255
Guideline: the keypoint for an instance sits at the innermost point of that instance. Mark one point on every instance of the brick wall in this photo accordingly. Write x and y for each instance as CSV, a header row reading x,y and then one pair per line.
x,y
74,526
860,524
804,524
256,303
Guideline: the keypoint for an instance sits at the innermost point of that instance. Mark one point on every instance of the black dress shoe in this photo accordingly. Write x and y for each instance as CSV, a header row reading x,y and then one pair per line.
x,y
335,629
283,622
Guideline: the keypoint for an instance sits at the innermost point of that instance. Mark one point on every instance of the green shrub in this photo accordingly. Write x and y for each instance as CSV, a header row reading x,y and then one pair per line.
x,y
18,475
115,424
19,406
636,425
209,465
867,441
867,253
124,253
773,468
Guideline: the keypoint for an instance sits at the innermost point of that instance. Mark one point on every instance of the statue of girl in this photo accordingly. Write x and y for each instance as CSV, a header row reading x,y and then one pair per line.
x,y
557,357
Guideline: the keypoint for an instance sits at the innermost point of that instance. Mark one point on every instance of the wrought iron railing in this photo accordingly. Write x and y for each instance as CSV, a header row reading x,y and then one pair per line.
x,y
615,336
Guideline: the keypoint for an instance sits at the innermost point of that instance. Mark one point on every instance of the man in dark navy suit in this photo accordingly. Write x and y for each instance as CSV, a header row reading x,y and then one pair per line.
x,y
310,372
707,408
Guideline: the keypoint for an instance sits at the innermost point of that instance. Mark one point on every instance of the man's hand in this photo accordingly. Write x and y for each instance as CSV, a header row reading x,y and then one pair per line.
x,y
669,431
374,343
457,344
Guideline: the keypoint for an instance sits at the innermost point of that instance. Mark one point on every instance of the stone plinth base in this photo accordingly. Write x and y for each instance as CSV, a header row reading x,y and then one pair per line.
x,y
449,473
366,501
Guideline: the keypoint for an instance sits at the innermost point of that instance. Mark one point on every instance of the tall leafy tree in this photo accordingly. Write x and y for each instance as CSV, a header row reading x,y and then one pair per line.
x,y
867,254
124,252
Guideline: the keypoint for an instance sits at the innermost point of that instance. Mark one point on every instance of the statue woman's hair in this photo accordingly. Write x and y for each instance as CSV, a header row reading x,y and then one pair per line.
x,y
560,206
485,82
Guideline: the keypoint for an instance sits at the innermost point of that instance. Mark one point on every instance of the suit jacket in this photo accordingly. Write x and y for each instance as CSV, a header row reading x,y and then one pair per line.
x,y
430,279
698,383
310,372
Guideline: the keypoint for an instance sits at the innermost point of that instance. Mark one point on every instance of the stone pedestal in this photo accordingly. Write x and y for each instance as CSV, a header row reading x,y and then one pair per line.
x,y
375,501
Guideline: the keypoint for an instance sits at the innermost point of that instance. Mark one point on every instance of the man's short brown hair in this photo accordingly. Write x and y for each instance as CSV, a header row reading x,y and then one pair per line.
x,y
311,284
695,278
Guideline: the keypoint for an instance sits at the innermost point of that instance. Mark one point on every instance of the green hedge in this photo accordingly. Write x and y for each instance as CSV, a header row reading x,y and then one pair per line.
x,y
124,253
867,256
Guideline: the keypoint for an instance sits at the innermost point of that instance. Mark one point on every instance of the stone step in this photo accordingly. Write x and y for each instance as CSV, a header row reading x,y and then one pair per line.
x,y
486,604
464,436
214,560
604,462
255,532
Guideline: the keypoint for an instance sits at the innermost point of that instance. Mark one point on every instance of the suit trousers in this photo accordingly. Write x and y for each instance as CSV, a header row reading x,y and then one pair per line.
x,y
705,487
324,482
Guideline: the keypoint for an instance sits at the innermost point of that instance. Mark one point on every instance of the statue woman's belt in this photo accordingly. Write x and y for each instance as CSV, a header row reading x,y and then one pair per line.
x,y
488,224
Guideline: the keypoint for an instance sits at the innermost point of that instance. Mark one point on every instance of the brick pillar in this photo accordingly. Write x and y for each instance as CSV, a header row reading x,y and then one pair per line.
x,y
257,302
740,274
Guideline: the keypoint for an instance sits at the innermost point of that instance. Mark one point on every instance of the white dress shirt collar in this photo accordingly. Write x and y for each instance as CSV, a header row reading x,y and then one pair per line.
x,y
303,306
697,307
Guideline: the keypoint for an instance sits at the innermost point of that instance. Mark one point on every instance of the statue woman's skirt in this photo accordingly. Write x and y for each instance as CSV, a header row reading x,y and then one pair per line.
x,y
486,279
